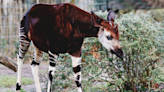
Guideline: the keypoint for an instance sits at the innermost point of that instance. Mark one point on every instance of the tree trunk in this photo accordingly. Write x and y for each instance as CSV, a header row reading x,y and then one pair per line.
x,y
72,2
8,62
37,1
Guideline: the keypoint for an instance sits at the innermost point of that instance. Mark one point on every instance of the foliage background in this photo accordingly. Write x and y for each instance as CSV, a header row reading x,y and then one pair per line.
x,y
141,39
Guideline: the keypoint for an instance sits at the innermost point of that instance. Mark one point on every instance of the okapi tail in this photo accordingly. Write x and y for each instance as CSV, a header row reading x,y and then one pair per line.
x,y
25,25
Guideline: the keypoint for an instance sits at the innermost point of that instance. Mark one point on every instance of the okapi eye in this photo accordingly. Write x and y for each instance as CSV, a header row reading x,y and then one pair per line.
x,y
109,37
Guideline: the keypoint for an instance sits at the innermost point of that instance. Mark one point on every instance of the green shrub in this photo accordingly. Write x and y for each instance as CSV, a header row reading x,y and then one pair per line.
x,y
142,42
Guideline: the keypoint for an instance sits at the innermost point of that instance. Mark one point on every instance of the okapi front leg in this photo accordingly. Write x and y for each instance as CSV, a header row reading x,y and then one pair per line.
x,y
76,64
35,66
52,64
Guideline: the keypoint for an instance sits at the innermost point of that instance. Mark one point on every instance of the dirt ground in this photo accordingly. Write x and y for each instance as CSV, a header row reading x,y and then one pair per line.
x,y
26,72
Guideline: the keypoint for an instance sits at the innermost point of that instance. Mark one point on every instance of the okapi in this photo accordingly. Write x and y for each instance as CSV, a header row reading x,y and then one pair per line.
x,y
61,28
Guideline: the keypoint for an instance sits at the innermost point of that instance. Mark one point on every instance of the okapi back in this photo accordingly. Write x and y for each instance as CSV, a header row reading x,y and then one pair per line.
x,y
59,27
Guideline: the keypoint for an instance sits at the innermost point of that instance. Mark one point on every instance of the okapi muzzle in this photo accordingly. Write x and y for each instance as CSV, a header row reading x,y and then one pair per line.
x,y
119,53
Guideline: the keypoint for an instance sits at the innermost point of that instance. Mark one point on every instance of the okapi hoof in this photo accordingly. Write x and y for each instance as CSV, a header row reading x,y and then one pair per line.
x,y
18,87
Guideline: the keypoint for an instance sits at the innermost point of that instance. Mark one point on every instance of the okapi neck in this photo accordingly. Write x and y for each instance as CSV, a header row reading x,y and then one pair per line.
x,y
83,27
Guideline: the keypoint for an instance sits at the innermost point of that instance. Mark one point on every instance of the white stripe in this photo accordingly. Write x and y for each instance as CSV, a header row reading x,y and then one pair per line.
x,y
76,61
52,69
22,34
55,56
21,28
53,62
25,41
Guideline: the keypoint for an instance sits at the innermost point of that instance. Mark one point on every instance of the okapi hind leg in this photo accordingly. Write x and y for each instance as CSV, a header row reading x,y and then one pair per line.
x,y
76,64
23,47
35,67
51,71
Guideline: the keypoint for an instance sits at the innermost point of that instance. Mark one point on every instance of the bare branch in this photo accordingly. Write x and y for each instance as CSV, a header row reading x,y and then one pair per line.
x,y
8,62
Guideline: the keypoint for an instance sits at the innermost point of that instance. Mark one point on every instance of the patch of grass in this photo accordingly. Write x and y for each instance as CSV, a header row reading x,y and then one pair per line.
x,y
8,91
23,90
8,81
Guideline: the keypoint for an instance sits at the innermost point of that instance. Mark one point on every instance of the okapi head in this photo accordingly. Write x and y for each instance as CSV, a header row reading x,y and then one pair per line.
x,y
108,33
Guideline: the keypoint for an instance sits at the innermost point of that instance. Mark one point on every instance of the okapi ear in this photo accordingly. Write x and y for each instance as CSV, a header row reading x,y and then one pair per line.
x,y
111,16
95,20
116,28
